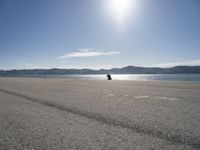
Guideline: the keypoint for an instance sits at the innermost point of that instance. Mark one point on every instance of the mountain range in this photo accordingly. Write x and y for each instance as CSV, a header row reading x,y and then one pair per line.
x,y
124,70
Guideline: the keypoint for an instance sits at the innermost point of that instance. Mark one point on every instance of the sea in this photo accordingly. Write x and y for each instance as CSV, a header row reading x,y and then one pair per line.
x,y
135,77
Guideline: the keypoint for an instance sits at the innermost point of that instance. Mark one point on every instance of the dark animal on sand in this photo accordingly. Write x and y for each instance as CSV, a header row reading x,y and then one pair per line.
x,y
109,77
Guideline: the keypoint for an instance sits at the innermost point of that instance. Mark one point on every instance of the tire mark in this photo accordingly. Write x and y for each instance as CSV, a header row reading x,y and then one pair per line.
x,y
167,136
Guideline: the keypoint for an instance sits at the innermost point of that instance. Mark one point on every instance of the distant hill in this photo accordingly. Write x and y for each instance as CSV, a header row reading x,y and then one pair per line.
x,y
124,70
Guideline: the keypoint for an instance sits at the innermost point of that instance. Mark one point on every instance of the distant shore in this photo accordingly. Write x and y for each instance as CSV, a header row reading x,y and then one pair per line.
x,y
123,70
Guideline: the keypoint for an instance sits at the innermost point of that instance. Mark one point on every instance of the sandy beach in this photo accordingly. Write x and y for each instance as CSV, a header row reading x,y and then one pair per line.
x,y
52,113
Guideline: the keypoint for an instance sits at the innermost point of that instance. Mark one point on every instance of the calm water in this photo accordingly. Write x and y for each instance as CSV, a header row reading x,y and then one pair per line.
x,y
137,77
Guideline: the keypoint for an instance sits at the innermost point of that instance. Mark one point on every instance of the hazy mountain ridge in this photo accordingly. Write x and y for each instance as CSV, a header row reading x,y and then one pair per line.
x,y
124,70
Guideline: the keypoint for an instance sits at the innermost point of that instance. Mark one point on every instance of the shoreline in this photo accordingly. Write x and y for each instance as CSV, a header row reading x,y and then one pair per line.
x,y
94,79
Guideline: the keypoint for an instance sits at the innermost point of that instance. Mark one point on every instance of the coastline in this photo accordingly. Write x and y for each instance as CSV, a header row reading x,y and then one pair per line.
x,y
120,77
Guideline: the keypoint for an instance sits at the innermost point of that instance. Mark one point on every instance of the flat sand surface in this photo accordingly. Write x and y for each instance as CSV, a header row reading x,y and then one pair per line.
x,y
64,114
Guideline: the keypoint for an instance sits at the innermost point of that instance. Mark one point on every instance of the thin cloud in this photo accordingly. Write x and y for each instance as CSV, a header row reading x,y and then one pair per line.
x,y
182,63
88,53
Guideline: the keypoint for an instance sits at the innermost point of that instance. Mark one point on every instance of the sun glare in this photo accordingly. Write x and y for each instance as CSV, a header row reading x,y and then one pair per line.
x,y
120,9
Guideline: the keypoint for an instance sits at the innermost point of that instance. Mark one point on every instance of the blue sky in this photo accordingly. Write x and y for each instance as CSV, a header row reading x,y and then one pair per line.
x,y
98,33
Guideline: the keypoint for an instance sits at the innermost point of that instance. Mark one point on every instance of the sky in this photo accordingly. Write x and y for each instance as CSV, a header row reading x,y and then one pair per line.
x,y
98,33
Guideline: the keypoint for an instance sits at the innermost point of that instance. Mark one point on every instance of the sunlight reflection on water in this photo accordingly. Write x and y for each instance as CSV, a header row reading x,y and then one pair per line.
x,y
136,77
139,77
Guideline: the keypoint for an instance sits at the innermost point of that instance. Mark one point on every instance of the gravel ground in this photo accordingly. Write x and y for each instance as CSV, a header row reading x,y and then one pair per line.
x,y
79,114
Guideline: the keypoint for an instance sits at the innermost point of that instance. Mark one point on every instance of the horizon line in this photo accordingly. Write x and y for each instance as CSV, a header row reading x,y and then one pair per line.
x,y
100,68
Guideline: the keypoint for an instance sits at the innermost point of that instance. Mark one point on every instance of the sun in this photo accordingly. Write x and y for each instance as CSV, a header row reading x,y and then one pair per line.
x,y
120,9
